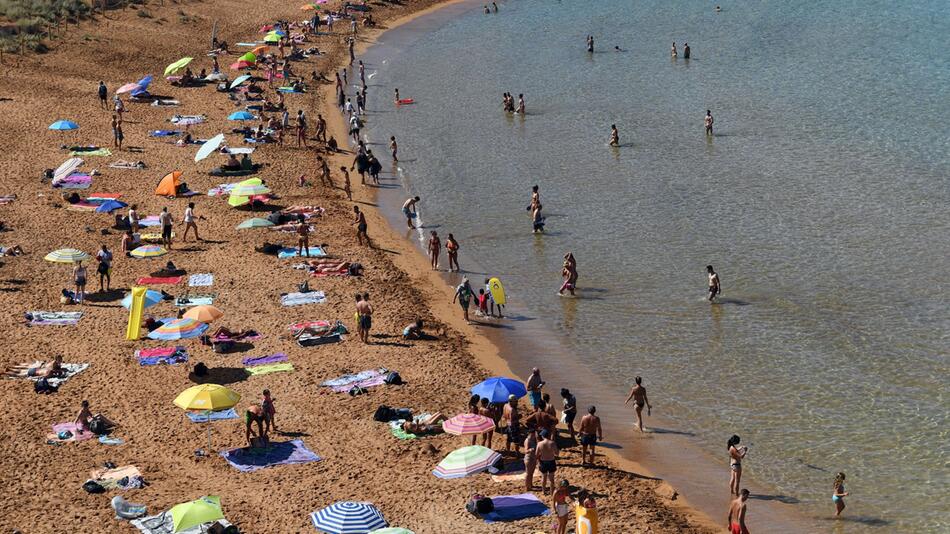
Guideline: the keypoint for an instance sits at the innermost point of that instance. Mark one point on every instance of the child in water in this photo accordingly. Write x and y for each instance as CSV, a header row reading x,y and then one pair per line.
x,y
840,494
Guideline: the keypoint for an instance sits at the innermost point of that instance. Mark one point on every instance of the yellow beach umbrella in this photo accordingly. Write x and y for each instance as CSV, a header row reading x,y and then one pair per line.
x,y
237,201
178,65
204,314
191,514
207,397
66,255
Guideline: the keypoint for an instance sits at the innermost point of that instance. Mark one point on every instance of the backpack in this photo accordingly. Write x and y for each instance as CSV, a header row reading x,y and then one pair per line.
x,y
384,414
92,486
479,505
44,387
393,379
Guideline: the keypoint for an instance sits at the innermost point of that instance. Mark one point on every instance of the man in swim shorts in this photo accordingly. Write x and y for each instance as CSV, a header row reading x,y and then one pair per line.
x,y
547,460
590,431
534,384
714,287
737,509
365,313
409,210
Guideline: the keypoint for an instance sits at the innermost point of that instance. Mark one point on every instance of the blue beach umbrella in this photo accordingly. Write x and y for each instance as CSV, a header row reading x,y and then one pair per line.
x,y
348,517
239,80
151,298
498,388
144,82
110,205
241,116
64,125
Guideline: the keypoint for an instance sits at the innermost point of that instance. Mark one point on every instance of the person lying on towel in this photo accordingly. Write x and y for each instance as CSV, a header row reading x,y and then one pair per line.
x,y
42,370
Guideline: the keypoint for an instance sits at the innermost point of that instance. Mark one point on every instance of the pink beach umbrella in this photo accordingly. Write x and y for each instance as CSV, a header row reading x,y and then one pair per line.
x,y
468,423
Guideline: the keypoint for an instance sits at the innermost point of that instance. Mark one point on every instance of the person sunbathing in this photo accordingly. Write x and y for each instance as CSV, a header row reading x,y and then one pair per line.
x,y
15,250
41,370
223,333
429,425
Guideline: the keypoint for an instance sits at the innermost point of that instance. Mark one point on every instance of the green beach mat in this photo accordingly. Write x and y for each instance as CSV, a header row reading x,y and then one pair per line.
x,y
258,370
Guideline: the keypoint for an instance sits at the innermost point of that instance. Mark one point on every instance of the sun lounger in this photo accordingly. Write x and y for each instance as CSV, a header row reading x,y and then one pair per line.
x,y
515,507
219,415
200,280
315,252
247,459
163,523
122,164
297,299
45,318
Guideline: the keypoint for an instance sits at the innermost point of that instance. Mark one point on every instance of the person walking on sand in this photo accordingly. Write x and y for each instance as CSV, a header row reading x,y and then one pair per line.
x,y
393,147
324,171
463,293
614,136
434,248
104,256
590,432
118,106
547,460
708,122
533,384
189,220
301,129
639,395
409,210
365,314
839,494
737,509
346,183
362,69
79,279
103,95
166,221
321,129
714,287
117,135
530,458
736,454
303,236
452,249
360,222
351,42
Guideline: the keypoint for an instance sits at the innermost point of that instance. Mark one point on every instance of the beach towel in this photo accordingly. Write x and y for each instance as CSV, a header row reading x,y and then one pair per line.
x,y
222,190
315,252
187,119
258,370
156,280
83,205
368,378
296,299
69,370
276,453
164,133
514,471
108,478
162,355
108,440
7,199
264,360
46,318
195,300
73,429
201,279
151,220
289,90
220,415
102,197
163,523
97,152
73,181
122,164
515,507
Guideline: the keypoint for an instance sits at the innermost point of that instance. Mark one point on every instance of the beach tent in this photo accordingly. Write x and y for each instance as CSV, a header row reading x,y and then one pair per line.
x,y
249,57
348,517
238,65
191,514
168,186
272,37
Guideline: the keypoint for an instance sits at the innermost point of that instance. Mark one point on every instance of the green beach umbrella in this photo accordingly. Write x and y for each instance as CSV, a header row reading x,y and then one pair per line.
x,y
178,65
466,461
256,222
250,57
246,190
272,38
66,255
191,514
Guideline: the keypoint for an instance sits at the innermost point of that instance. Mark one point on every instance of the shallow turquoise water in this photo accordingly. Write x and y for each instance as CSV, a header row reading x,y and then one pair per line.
x,y
821,200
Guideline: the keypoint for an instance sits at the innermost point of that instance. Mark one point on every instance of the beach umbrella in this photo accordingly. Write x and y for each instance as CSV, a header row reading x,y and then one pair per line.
x,y
191,514
249,57
238,201
64,125
144,82
272,37
392,530
466,461
179,329
207,397
260,50
238,65
239,80
468,423
178,65
498,388
110,205
126,88
204,314
66,255
348,517
148,251
241,116
246,190
151,298
255,222
309,7
209,147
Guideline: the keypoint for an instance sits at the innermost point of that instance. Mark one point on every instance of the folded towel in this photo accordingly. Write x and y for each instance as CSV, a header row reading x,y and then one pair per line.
x,y
201,279
296,299
156,280
315,252
162,355
262,360
258,370
219,415
46,318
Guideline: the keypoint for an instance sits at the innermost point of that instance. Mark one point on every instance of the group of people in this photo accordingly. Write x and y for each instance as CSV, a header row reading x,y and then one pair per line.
x,y
509,106
464,293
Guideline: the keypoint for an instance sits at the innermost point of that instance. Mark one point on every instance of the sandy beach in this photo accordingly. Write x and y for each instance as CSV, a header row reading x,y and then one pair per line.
x,y
361,460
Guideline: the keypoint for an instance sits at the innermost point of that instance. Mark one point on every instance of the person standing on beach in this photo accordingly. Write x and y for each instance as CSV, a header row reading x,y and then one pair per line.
x,y
736,454
510,424
103,95
533,384
714,287
639,395
79,279
267,406
134,218
685,50
303,236
434,248
346,183
409,210
365,314
463,293
614,136
590,43
166,221
104,256
321,129
301,129
324,171
570,409
362,73
708,122
547,460
590,432
189,222
393,147
119,107
117,135
737,509
351,42
530,458
360,222
452,249
561,508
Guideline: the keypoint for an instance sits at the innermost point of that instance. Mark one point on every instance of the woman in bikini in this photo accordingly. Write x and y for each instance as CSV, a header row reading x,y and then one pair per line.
x,y
435,247
736,454
79,278
559,499
839,494
452,249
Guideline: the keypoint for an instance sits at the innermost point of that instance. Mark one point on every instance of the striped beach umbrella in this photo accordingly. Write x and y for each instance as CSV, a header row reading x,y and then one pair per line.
x,y
498,388
466,461
255,222
204,313
207,397
348,517
179,329
148,251
66,255
151,298
249,189
468,423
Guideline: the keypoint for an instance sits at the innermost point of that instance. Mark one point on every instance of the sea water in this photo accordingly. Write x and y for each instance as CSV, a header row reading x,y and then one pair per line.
x,y
821,199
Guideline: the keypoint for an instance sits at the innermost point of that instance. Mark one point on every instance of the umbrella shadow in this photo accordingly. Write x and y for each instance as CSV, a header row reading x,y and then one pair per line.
x,y
105,296
220,375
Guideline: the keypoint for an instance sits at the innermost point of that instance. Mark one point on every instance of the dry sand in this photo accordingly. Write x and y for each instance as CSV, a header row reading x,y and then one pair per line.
x,y
361,460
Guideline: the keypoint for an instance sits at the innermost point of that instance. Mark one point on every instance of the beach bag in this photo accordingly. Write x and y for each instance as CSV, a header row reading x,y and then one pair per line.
x,y
42,386
356,390
98,427
393,379
403,413
91,486
384,414
479,505
304,287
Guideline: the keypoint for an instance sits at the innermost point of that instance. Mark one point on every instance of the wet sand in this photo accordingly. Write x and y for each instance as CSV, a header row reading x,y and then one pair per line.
x,y
361,460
